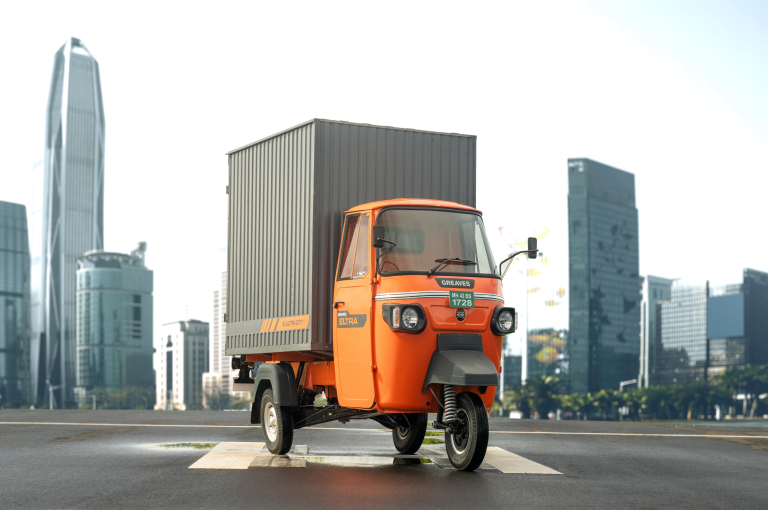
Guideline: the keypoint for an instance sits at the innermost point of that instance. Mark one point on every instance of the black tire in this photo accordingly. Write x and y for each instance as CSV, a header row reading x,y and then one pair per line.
x,y
408,439
467,443
276,424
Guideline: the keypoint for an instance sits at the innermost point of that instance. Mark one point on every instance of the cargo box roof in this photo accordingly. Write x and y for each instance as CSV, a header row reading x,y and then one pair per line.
x,y
310,121
412,201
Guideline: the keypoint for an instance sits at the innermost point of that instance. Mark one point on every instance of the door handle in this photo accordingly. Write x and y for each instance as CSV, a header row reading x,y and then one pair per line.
x,y
336,304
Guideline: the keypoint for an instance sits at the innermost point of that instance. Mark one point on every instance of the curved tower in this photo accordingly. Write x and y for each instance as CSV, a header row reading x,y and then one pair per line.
x,y
67,215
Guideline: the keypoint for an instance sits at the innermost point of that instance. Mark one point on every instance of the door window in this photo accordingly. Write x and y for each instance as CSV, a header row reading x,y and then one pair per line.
x,y
348,247
354,249
361,252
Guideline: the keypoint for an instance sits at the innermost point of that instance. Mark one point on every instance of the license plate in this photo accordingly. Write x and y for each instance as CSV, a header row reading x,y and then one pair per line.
x,y
461,299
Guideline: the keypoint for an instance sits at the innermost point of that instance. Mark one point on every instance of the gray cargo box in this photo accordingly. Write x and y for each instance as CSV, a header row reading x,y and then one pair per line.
x,y
287,196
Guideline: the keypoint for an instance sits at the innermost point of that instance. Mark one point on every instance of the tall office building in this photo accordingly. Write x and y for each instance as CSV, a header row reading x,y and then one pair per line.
x,y
14,306
67,217
114,321
604,312
182,358
705,328
217,381
655,289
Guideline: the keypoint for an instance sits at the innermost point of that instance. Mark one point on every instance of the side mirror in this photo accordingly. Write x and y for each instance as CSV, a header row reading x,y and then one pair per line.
x,y
378,235
532,247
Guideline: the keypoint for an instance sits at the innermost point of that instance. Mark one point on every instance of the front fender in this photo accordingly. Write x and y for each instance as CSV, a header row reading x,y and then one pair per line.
x,y
461,368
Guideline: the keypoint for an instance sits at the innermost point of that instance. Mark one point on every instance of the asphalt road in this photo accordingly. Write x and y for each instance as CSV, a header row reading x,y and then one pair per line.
x,y
59,463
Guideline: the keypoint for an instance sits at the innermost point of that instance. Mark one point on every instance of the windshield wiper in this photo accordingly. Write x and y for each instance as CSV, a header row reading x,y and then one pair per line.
x,y
445,262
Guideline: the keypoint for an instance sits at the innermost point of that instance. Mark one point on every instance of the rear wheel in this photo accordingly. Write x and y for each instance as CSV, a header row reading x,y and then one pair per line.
x,y
408,439
276,424
468,440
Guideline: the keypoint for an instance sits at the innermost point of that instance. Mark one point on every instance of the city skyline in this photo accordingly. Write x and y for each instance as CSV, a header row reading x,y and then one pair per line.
x,y
627,89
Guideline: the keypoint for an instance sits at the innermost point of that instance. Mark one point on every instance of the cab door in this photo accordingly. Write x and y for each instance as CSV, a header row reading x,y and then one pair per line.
x,y
352,344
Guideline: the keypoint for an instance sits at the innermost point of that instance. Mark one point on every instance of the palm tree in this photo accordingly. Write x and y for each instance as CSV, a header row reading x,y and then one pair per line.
x,y
543,391
518,398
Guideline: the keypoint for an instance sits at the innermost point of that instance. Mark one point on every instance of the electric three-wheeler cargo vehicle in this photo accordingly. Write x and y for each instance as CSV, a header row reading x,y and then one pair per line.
x,y
412,303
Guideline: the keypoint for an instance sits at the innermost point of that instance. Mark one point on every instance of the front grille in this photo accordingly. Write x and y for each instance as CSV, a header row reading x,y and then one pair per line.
x,y
459,342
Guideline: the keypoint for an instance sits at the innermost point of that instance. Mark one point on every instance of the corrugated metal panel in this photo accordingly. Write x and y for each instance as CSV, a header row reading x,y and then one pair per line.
x,y
292,188
269,238
356,164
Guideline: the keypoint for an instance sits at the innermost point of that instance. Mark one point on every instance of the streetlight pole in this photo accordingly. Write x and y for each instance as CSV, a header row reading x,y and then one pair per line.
x,y
50,393
626,383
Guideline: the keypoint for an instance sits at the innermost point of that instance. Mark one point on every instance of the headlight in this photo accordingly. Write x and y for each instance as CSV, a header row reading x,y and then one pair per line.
x,y
410,318
402,318
503,321
506,321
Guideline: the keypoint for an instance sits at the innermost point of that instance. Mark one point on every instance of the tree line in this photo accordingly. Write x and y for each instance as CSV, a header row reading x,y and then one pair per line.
x,y
736,391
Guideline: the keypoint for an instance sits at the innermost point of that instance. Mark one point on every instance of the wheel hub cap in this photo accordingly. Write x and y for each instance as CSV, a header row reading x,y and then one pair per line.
x,y
271,422
460,436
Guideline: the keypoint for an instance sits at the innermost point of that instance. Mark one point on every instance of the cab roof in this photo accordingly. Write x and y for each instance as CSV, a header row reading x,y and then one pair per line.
x,y
418,202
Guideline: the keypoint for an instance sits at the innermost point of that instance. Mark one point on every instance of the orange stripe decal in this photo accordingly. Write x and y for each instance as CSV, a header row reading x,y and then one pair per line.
x,y
284,324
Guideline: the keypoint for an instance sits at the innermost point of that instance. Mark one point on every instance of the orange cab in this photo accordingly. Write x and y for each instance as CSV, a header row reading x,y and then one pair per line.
x,y
418,318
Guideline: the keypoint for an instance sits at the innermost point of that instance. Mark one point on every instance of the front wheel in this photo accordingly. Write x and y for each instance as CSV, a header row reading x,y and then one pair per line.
x,y
468,440
276,424
408,439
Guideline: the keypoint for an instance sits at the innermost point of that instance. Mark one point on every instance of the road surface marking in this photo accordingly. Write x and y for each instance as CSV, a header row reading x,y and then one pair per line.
x,y
710,436
508,462
229,456
245,455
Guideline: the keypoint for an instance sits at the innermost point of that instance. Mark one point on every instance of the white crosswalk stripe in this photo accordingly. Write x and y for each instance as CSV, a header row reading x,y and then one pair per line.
x,y
229,456
245,455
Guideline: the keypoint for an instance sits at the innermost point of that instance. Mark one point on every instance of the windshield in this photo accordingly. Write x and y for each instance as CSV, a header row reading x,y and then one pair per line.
x,y
423,236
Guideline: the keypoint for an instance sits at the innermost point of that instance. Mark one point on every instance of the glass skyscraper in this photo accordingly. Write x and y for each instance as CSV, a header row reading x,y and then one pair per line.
x,y
681,350
67,217
706,329
114,321
14,306
604,314
655,290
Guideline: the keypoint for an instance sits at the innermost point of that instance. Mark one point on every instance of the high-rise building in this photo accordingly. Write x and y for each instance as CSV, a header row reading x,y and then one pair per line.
x,y
114,321
217,381
14,306
604,312
655,289
67,217
182,357
706,328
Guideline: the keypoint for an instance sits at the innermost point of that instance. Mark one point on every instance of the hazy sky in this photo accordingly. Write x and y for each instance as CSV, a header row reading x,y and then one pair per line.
x,y
673,92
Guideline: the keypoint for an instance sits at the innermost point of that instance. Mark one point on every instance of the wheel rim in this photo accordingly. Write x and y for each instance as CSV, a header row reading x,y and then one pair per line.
x,y
461,432
402,432
271,422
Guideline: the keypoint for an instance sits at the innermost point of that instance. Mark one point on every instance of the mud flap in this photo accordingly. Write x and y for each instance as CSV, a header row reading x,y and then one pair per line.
x,y
461,368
